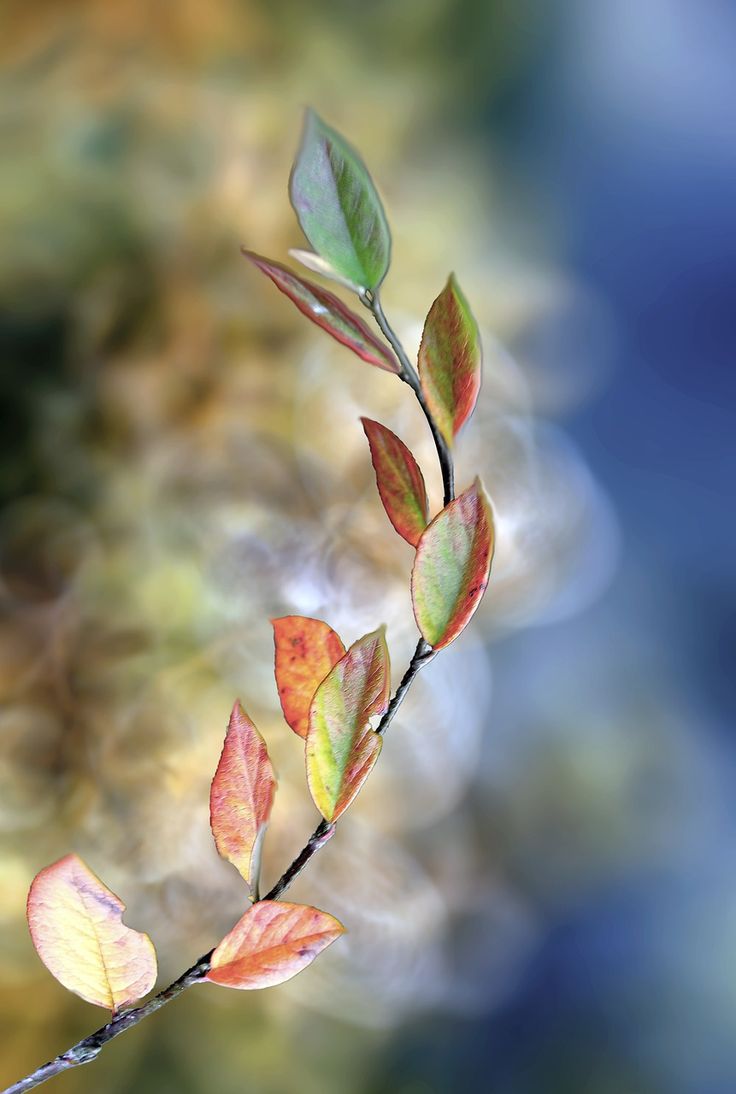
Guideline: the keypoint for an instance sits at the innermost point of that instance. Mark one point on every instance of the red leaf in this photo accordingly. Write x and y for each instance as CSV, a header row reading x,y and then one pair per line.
x,y
452,566
241,796
400,482
341,746
450,360
328,312
271,943
76,924
306,650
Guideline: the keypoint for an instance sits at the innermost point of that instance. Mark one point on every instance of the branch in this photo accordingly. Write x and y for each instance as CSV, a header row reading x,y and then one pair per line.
x,y
408,374
89,1048
322,833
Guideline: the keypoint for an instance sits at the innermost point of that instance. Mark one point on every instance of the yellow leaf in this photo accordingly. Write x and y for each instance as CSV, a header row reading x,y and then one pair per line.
x,y
76,924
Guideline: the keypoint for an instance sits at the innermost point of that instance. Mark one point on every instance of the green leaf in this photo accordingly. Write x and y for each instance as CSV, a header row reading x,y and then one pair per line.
x,y
452,565
341,746
338,207
399,480
328,312
450,360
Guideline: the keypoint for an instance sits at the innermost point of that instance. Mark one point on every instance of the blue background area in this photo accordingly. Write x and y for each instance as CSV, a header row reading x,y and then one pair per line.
x,y
631,988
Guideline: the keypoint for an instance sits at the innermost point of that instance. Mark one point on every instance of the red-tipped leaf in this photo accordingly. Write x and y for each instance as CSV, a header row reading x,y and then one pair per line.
x,y
452,566
399,480
450,360
341,746
328,312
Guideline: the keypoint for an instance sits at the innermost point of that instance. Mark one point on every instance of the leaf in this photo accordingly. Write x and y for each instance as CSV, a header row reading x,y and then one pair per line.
x,y
452,565
272,942
399,480
320,266
337,206
328,312
341,746
450,360
306,650
241,795
77,928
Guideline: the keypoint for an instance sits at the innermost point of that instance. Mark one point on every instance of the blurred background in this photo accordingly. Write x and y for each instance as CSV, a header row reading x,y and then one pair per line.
x,y
539,881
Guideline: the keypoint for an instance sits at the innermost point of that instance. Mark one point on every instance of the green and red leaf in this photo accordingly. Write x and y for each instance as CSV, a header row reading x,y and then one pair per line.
x,y
337,206
305,651
76,924
241,796
272,942
450,360
341,746
328,312
452,566
399,480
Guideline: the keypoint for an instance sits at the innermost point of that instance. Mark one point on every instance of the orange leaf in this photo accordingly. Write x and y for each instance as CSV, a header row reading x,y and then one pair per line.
x,y
76,924
328,312
241,796
452,565
341,746
272,942
399,480
306,650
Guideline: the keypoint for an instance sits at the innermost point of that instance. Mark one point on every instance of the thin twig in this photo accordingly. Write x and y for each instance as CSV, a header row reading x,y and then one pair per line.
x,y
422,655
322,833
408,374
88,1049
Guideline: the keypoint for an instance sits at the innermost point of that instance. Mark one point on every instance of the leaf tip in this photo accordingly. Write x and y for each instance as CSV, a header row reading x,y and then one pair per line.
x,y
237,709
480,490
254,258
